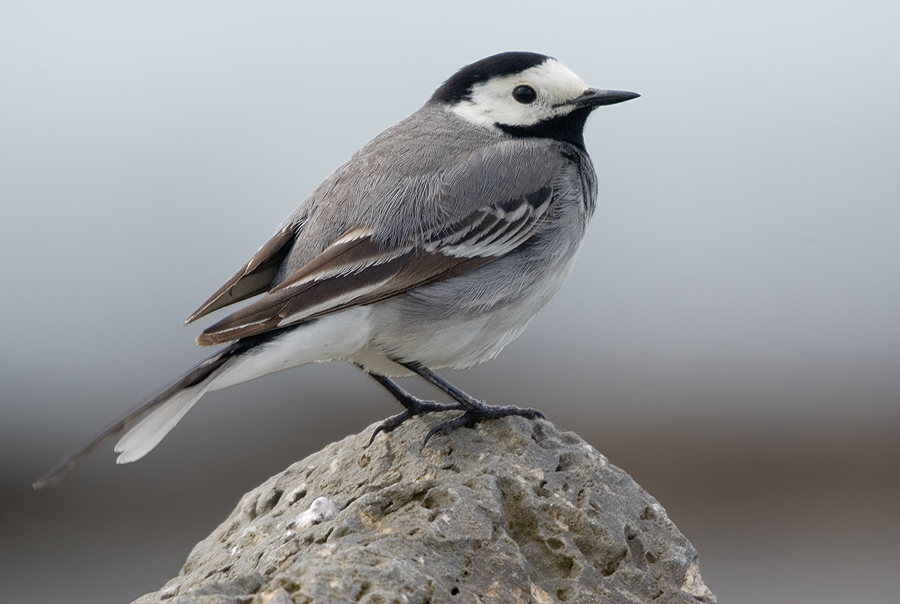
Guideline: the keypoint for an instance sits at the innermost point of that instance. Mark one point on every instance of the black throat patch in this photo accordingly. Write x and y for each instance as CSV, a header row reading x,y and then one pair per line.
x,y
568,128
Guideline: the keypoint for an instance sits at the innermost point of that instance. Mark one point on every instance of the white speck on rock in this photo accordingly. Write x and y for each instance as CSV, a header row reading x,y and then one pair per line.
x,y
693,582
540,596
321,510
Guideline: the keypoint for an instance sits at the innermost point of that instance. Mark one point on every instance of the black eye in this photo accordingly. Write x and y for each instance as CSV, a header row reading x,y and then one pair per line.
x,y
524,94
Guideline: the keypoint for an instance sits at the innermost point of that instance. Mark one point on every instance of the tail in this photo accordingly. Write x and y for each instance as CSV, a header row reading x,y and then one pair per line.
x,y
165,409
335,336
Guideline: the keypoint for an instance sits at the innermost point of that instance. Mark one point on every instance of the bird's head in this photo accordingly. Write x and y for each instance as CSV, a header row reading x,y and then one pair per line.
x,y
524,94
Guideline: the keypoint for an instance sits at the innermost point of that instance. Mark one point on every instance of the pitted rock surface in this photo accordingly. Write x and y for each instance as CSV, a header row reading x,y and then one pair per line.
x,y
511,511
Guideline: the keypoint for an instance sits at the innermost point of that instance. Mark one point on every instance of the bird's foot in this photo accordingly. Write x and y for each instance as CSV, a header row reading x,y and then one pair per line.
x,y
479,413
412,407
475,410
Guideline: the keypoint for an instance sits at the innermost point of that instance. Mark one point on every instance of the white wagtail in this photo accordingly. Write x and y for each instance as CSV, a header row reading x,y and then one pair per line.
x,y
433,247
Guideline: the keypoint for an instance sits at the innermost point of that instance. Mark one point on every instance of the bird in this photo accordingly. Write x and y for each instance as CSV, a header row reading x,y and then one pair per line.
x,y
432,248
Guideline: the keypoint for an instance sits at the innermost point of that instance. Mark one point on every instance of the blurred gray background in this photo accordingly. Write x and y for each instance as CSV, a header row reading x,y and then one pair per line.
x,y
730,336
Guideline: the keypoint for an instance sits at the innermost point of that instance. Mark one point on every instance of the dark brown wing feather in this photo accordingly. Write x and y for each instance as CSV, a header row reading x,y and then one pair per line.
x,y
253,278
347,273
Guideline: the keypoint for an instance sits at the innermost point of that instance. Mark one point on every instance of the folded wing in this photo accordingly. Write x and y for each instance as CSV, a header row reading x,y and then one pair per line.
x,y
358,269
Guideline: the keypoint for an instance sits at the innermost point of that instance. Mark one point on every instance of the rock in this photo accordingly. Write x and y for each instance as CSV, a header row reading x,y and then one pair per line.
x,y
512,511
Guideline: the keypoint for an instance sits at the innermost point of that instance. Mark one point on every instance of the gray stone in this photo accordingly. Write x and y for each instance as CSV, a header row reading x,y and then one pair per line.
x,y
512,511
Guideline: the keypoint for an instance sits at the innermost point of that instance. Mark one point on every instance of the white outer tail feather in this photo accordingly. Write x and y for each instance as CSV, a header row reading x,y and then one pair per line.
x,y
143,437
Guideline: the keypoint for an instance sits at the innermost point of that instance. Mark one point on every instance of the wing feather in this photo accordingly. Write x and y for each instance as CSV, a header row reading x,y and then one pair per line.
x,y
253,278
357,269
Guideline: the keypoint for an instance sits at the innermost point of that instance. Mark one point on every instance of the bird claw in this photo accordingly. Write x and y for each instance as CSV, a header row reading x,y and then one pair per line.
x,y
473,416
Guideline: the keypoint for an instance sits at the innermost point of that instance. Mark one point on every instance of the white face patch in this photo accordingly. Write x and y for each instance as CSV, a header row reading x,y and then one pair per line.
x,y
492,101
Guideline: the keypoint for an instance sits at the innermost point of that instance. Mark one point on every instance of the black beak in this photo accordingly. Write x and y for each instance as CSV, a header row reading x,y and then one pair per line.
x,y
594,98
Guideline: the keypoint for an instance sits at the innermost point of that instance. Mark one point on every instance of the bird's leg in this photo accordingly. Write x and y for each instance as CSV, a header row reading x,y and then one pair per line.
x,y
412,405
475,410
